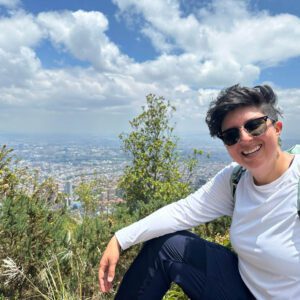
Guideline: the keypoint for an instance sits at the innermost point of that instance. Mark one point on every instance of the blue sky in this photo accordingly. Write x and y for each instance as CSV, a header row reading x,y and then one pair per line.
x,y
86,66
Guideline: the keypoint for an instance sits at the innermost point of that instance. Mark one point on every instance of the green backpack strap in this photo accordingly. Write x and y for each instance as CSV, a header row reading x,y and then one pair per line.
x,y
296,150
235,177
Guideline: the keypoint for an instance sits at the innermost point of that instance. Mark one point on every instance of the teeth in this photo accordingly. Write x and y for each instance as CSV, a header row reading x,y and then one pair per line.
x,y
251,151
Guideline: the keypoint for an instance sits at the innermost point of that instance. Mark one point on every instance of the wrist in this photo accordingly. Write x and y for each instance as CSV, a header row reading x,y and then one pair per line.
x,y
115,241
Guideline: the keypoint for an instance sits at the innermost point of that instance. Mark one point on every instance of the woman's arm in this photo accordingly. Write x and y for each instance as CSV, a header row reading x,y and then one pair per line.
x,y
211,201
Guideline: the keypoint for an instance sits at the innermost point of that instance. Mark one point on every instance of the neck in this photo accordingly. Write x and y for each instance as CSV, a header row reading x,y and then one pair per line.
x,y
278,166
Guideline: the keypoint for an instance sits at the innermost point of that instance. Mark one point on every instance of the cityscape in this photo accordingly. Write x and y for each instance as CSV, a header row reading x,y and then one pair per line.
x,y
71,160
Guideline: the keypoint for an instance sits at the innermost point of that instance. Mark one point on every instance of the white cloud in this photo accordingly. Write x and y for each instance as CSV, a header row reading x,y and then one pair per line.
x,y
19,30
172,70
24,83
264,40
159,41
182,88
10,3
164,18
18,68
223,14
289,101
74,90
19,34
83,35
223,31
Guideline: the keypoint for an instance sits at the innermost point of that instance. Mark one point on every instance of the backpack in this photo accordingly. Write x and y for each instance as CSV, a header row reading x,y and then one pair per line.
x,y
238,172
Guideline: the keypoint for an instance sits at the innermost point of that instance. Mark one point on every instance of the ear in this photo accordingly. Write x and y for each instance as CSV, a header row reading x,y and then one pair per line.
x,y
278,127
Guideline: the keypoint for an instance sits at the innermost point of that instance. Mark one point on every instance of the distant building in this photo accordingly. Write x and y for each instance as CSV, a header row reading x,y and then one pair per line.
x,y
68,189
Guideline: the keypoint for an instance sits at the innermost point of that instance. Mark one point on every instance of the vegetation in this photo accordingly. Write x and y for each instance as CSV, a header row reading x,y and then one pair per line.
x,y
153,179
48,253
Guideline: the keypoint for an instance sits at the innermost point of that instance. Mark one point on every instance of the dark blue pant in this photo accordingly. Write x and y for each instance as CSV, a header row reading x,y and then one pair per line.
x,y
202,269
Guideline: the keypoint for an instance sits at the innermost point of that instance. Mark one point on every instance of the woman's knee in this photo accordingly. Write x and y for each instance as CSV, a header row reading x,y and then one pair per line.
x,y
167,240
182,246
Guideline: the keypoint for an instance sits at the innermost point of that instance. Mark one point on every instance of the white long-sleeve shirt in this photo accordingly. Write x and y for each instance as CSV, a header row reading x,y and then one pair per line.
x,y
265,229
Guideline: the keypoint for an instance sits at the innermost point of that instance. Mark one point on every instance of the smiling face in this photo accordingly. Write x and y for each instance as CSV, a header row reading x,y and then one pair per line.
x,y
258,154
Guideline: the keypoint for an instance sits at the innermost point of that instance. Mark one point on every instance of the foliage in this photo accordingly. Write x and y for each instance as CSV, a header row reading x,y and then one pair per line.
x,y
89,192
175,293
153,179
215,231
29,233
45,251
40,241
10,175
7,179
78,259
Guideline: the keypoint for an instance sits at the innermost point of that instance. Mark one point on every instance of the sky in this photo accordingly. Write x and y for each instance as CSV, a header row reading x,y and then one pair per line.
x,y
86,66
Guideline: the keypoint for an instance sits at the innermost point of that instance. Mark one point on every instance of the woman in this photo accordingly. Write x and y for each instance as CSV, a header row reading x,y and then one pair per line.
x,y
265,229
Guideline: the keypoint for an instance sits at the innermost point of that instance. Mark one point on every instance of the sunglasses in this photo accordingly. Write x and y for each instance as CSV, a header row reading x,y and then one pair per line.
x,y
254,127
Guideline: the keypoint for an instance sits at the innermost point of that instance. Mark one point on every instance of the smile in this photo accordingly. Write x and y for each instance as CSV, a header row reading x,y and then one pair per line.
x,y
246,153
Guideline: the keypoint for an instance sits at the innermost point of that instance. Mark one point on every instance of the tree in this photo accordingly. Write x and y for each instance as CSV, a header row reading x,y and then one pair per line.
x,y
89,193
153,179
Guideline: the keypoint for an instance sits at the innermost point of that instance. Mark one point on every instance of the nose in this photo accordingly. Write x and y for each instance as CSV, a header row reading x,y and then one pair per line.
x,y
244,135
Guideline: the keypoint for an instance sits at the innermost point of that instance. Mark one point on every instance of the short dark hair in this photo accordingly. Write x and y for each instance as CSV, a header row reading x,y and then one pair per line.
x,y
261,96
